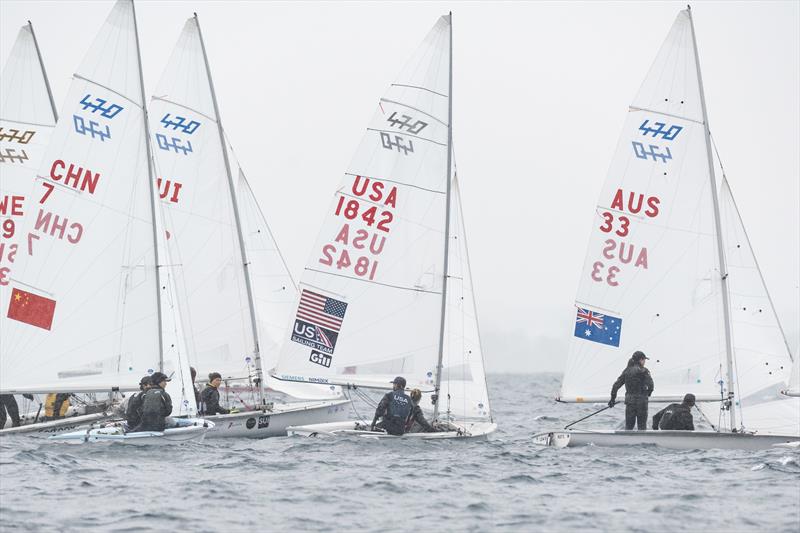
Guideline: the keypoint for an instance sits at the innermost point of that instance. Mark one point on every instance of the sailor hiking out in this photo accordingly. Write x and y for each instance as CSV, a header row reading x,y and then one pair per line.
x,y
395,408
638,388
156,406
676,415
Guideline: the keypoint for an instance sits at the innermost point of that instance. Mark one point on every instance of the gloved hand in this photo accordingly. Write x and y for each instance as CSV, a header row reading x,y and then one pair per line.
x,y
233,411
611,402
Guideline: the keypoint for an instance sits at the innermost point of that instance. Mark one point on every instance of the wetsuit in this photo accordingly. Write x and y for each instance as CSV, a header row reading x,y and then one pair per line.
x,y
9,403
209,400
638,388
394,407
674,416
156,407
416,423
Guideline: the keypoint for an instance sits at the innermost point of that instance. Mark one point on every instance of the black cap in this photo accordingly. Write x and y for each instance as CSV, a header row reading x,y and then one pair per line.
x,y
145,381
638,356
689,399
158,377
399,380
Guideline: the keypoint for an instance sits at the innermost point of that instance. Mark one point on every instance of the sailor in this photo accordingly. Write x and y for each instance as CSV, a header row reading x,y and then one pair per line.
x,y
9,403
193,372
638,388
156,405
416,423
56,405
133,413
676,415
209,398
394,407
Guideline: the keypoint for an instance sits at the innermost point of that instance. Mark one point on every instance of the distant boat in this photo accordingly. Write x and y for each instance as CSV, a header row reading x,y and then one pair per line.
x,y
232,290
387,290
670,271
83,305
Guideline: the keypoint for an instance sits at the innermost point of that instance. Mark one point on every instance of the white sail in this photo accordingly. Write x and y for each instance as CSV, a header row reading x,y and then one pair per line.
x,y
83,312
651,277
27,120
464,394
199,219
371,292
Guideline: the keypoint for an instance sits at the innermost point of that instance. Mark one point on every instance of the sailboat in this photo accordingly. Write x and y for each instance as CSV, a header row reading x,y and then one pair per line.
x,y
27,118
83,303
387,290
670,271
233,291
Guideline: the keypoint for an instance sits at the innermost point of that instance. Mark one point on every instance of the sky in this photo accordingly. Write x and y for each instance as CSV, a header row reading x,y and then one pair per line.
x,y
540,94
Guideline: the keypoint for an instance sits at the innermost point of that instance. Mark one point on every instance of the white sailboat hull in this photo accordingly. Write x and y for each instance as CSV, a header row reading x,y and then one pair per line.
x,y
679,440
186,433
274,423
55,427
479,430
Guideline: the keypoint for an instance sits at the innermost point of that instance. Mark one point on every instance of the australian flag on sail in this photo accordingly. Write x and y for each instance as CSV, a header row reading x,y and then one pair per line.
x,y
318,321
605,329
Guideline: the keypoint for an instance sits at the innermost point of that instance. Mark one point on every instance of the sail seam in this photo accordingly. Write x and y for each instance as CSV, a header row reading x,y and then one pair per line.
x,y
632,108
395,182
443,123
134,102
374,282
418,87
185,107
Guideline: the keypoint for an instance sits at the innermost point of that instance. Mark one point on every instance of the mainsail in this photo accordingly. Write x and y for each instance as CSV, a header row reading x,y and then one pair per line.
x,y
83,313
27,119
371,303
655,278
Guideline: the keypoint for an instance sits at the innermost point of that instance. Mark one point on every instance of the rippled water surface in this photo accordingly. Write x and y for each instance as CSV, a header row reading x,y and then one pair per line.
x,y
505,483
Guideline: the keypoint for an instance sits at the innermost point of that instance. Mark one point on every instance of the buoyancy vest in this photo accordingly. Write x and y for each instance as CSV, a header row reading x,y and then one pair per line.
x,y
397,412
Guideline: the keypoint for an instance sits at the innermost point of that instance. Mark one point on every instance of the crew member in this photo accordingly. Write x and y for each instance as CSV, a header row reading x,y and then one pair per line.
x,y
638,388
156,405
416,422
209,398
9,403
133,414
676,415
394,407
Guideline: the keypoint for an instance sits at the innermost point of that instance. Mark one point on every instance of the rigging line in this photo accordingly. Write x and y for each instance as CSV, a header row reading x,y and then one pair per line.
x,y
417,87
415,109
408,135
140,106
193,110
395,182
414,289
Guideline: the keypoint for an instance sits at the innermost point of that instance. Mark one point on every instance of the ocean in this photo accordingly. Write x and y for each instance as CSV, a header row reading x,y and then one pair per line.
x,y
504,483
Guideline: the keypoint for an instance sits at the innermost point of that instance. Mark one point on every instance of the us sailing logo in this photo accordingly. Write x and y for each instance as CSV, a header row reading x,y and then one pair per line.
x,y
318,321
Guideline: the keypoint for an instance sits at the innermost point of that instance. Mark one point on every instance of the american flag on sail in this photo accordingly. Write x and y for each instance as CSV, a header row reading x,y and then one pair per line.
x,y
597,327
318,321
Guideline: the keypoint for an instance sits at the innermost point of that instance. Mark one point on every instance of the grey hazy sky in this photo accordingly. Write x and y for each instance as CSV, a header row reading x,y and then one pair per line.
x,y
540,95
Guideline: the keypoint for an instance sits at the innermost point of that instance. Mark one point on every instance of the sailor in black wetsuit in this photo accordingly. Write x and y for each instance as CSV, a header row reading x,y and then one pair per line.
x,y
394,407
209,398
156,405
416,422
8,402
638,388
676,415
133,413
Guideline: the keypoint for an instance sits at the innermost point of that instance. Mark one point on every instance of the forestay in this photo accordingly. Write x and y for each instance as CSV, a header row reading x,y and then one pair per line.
x,y
651,279
199,220
27,119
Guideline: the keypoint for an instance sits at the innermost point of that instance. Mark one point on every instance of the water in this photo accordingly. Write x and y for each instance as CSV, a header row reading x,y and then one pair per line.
x,y
503,484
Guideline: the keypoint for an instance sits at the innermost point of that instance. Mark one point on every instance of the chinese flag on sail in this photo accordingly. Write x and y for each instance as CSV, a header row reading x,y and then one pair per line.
x,y
32,309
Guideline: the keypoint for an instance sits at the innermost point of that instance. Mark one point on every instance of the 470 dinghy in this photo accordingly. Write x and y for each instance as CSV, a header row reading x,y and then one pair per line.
x,y
187,430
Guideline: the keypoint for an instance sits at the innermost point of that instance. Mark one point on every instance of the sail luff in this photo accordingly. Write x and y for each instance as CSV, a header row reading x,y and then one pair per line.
x,y
447,221
151,182
44,72
723,271
237,218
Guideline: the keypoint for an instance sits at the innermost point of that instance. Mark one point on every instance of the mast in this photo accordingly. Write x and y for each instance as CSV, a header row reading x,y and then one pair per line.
x,y
446,224
245,263
723,269
44,72
151,181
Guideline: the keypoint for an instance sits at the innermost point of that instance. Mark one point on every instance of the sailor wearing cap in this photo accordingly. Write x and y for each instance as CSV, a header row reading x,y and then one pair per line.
x,y
638,388
395,406
156,405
